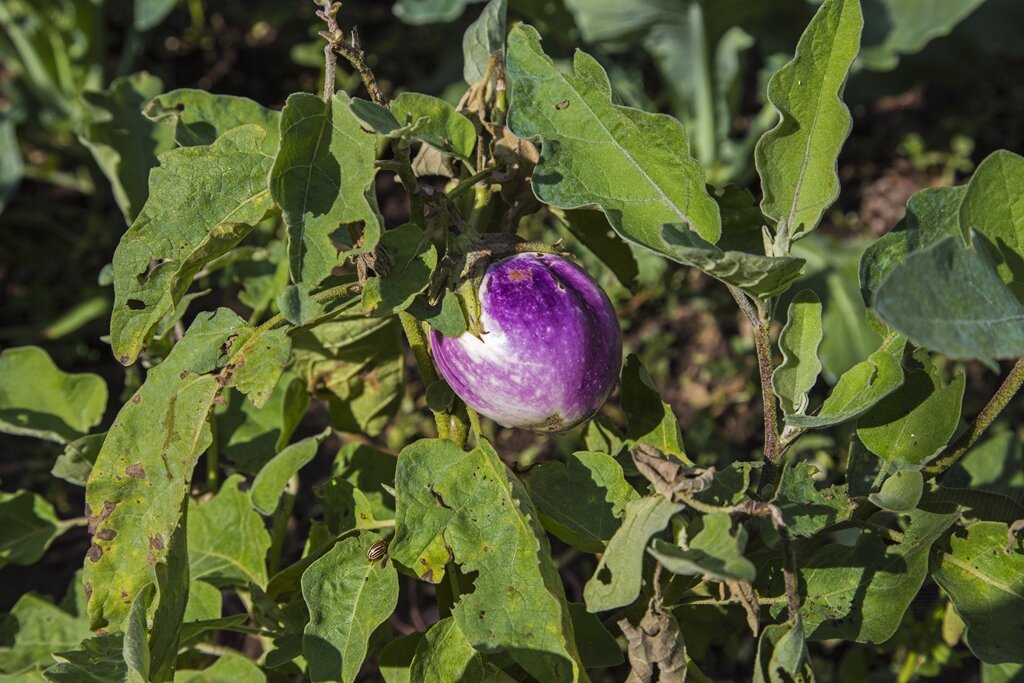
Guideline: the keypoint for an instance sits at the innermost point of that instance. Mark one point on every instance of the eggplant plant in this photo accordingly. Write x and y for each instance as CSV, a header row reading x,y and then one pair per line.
x,y
199,565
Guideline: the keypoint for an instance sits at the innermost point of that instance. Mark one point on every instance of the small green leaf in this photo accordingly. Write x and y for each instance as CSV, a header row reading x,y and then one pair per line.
x,y
616,581
585,135
861,592
369,470
799,342
994,207
912,424
805,508
714,553
983,574
173,583
395,659
208,199
905,27
96,660
41,627
418,12
797,160
901,492
227,542
445,654
582,502
75,463
249,436
149,13
37,399
411,261
860,388
348,596
124,143
447,317
594,231
229,668
322,178
950,299
756,274
782,655
598,648
469,508
199,117
995,465
11,165
272,479
651,420
262,356
445,129
135,646
483,38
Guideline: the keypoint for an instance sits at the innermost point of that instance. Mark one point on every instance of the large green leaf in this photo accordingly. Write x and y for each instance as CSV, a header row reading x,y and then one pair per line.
x,y
348,596
756,274
173,582
805,508
227,542
911,425
797,160
799,342
229,668
581,501
202,202
469,508
714,553
651,420
272,479
199,117
950,299
124,143
983,574
37,399
893,28
144,468
39,627
861,592
445,654
616,581
28,525
357,363
932,215
96,660
585,136
322,179
994,207
483,38
860,388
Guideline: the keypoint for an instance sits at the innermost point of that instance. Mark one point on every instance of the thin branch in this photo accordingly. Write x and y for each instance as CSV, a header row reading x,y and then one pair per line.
x,y
1009,388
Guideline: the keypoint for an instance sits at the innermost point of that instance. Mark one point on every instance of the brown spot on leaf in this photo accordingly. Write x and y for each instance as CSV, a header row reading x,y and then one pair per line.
x,y
136,399
88,591
94,522
135,471
184,374
156,542
107,534
564,104
94,553
429,576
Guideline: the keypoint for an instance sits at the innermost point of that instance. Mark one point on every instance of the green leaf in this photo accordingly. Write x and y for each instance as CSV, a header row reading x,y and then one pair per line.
x,y
202,202
322,178
11,165
996,466
357,363
912,424
96,660
37,399
411,261
581,501
904,27
950,299
983,574
861,592
714,553
348,596
435,122
994,207
40,627
483,38
229,668
199,117
782,655
616,581
932,215
417,12
797,160
598,648
271,481
249,436
145,467
28,525
447,317
901,492
805,508
173,584
445,654
469,508
264,355
124,143
584,135
1001,673
135,646
799,341
651,420
395,659
227,542
75,463
369,470
860,388
149,13
594,231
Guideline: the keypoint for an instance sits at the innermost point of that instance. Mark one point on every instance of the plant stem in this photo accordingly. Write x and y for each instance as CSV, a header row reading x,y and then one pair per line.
x,y
279,524
469,182
909,668
408,180
704,99
1009,388
212,457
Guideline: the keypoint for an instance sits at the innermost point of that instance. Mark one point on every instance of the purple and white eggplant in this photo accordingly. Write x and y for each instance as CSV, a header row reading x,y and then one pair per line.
x,y
551,352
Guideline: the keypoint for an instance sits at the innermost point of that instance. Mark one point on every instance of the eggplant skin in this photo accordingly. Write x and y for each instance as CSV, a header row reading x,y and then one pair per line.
x,y
551,352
